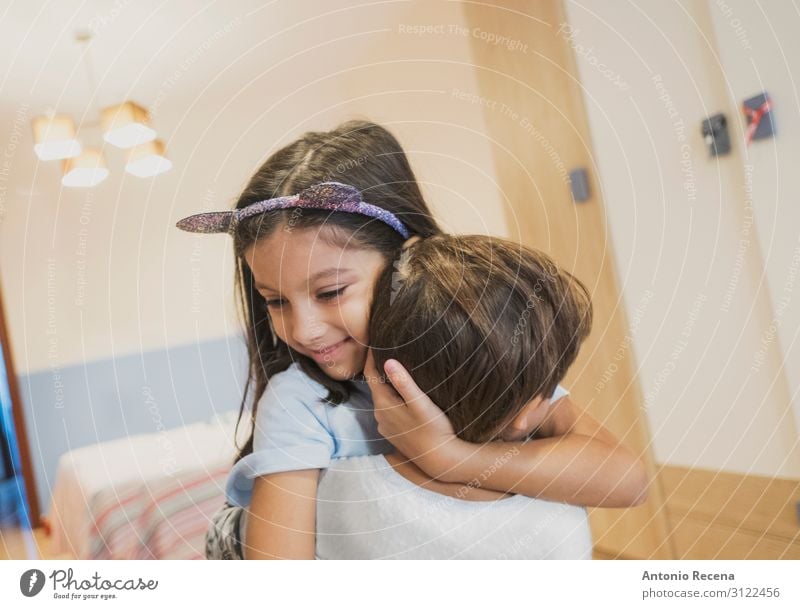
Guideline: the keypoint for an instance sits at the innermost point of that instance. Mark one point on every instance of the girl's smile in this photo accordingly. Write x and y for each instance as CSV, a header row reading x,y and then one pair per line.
x,y
329,352
318,294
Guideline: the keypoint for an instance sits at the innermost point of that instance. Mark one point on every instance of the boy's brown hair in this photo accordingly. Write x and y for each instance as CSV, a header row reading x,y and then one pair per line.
x,y
484,325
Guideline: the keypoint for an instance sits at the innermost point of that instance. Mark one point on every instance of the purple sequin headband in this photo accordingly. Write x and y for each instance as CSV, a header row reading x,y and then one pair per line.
x,y
331,196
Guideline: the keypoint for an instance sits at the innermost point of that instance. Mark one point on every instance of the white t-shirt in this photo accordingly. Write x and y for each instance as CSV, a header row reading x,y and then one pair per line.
x,y
366,510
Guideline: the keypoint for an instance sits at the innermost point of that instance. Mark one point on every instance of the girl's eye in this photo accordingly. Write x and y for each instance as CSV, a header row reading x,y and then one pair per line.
x,y
331,295
274,303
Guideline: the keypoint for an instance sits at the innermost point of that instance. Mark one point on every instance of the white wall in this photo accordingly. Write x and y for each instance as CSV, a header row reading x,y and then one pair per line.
x,y
759,46
682,228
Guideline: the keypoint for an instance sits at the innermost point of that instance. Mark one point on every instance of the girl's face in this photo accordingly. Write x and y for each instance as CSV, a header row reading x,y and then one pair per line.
x,y
318,295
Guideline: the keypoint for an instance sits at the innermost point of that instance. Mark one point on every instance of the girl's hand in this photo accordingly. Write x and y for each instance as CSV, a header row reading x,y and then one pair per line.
x,y
410,420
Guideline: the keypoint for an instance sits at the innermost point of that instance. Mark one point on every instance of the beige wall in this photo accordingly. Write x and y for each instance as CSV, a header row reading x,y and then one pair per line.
x,y
759,46
688,256
242,88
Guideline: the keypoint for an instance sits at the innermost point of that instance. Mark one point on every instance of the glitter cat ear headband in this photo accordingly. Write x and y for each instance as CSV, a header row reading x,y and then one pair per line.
x,y
331,196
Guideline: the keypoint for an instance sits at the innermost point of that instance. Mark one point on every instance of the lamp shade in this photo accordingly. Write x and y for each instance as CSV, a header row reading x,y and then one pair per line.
x,y
85,170
148,159
54,137
126,125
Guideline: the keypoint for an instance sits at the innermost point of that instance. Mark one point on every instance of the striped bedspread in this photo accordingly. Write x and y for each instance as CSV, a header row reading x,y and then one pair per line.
x,y
141,497
162,520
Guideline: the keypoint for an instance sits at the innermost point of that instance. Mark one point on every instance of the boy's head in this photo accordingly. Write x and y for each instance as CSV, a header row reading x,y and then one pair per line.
x,y
482,324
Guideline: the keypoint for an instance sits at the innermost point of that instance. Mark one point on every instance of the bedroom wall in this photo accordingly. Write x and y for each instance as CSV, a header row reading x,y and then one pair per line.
x,y
761,43
691,251
104,296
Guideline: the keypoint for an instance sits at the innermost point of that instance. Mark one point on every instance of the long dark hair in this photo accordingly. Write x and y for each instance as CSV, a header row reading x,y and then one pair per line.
x,y
358,153
484,325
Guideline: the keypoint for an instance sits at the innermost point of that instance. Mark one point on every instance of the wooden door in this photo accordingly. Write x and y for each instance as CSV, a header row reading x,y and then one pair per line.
x,y
533,104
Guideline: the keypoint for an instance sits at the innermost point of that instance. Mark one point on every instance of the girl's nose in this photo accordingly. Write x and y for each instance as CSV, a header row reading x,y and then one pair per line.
x,y
308,328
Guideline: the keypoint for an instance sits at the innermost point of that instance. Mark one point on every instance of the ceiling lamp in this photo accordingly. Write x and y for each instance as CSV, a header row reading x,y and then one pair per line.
x,y
126,125
86,170
54,137
148,159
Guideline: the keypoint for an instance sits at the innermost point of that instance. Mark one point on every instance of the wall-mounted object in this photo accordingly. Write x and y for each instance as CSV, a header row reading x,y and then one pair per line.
x,y
579,185
760,117
715,135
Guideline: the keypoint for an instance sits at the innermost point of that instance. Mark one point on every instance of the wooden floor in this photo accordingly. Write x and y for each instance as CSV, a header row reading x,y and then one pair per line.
x,y
17,543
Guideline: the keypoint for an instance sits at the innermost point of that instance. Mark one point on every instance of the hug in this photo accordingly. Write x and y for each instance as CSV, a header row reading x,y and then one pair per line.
x,y
403,397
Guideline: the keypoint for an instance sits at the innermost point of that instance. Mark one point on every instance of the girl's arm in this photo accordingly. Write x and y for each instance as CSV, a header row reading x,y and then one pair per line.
x,y
583,464
281,519
578,461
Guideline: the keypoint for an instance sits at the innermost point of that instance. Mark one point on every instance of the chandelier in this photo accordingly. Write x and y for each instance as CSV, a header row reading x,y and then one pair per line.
x,y
125,125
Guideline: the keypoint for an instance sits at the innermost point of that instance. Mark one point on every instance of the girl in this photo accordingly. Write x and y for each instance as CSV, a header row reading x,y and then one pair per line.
x,y
305,279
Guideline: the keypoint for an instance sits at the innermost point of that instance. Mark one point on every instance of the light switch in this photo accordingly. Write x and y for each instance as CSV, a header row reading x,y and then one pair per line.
x,y
579,184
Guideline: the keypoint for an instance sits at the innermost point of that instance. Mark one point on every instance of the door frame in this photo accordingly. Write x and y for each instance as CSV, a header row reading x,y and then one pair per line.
x,y
18,419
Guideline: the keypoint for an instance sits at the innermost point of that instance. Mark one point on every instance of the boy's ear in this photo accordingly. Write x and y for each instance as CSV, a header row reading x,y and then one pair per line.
x,y
520,422
530,417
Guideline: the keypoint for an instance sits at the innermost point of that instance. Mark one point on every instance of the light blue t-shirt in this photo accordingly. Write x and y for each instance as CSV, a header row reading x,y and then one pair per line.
x,y
296,429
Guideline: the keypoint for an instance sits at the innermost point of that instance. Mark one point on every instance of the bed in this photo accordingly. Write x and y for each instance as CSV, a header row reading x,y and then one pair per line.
x,y
145,497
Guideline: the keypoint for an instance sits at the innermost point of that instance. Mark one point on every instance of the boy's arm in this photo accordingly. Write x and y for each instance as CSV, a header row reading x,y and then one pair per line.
x,y
583,464
281,519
